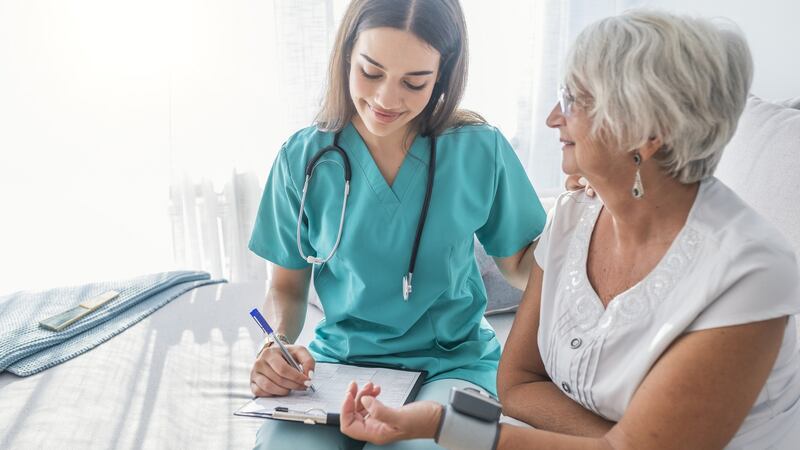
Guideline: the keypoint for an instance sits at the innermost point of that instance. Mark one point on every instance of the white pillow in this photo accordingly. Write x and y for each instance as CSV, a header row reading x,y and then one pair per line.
x,y
762,164
792,103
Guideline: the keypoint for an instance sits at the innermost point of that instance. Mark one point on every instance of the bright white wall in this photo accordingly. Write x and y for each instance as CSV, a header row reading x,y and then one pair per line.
x,y
771,27
96,99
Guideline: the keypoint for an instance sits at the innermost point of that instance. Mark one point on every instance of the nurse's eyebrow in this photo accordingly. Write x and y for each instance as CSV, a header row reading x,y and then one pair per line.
x,y
413,74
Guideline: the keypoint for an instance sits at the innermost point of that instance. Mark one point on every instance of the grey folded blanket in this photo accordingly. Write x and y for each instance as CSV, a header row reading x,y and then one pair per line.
x,y
26,348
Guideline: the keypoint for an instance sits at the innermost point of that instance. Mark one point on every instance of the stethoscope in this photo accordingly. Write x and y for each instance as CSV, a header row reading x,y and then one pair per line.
x,y
312,164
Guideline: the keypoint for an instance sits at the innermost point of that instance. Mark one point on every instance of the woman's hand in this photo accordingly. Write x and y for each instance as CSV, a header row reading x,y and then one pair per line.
x,y
577,182
365,418
273,376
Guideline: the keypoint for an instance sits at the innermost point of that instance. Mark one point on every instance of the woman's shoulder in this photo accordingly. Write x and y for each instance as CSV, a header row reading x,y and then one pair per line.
x,y
305,140
742,240
729,220
484,142
300,147
482,132
570,208
749,267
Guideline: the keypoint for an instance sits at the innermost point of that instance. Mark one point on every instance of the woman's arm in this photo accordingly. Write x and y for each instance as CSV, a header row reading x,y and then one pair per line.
x,y
701,389
695,397
517,267
287,300
523,386
285,305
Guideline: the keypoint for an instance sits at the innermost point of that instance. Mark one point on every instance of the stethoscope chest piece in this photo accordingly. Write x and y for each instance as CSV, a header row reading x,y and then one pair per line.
x,y
407,288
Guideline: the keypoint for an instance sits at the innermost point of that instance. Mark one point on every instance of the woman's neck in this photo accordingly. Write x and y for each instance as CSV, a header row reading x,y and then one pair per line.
x,y
657,217
399,141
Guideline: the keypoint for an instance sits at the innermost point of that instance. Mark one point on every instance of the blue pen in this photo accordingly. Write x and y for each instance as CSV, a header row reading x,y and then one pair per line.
x,y
267,329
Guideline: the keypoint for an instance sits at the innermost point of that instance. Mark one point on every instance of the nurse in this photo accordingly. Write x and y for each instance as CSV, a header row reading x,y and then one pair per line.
x,y
396,76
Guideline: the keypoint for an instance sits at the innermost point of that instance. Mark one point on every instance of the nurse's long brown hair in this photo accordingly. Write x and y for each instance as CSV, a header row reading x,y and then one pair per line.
x,y
440,23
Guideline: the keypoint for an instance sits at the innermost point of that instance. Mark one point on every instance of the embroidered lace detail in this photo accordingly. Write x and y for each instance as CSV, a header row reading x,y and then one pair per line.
x,y
583,305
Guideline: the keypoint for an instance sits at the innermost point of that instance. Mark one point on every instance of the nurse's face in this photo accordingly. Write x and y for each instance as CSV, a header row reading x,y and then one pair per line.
x,y
392,73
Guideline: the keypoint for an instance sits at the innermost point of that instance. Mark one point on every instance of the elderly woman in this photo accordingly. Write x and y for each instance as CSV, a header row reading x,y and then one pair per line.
x,y
659,313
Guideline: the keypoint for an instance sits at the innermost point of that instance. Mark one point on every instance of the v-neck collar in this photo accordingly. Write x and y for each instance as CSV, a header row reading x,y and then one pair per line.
x,y
644,295
390,196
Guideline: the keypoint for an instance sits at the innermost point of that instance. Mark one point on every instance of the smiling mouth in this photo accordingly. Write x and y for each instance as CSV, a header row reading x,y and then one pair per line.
x,y
566,142
384,116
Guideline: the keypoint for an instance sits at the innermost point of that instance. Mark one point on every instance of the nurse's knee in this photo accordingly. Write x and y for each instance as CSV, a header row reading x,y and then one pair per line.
x,y
281,435
414,444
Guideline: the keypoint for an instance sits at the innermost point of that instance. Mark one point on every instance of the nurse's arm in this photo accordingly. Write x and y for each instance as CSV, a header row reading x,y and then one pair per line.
x,y
285,306
517,267
287,300
524,388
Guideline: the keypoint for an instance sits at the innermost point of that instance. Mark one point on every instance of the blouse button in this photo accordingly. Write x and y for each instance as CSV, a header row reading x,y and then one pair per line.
x,y
566,387
575,343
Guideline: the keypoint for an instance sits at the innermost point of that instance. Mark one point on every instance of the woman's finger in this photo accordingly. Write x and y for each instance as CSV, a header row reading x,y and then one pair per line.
x,y
283,374
572,183
348,412
257,391
366,390
380,412
267,387
274,377
304,358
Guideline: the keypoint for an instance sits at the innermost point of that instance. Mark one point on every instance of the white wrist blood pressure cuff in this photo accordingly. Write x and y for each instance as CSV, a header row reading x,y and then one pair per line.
x,y
470,421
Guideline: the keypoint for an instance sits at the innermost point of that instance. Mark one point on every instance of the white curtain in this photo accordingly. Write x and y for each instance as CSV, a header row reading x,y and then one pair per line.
x,y
216,189
137,136
517,49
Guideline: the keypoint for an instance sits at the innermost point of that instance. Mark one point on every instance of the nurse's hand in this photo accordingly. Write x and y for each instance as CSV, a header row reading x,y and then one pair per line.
x,y
365,418
273,376
577,182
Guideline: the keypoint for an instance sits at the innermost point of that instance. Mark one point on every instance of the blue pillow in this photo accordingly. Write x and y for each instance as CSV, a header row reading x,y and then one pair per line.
x,y
502,296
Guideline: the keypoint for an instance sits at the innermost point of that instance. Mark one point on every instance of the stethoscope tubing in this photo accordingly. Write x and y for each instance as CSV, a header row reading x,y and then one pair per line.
x,y
311,166
313,259
407,286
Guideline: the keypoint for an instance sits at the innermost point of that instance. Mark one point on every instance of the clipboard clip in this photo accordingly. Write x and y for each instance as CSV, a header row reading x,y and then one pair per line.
x,y
308,416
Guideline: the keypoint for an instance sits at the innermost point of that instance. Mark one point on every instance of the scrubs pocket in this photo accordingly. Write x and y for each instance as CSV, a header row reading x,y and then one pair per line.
x,y
474,344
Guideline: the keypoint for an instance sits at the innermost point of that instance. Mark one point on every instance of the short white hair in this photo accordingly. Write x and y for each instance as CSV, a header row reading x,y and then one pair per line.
x,y
651,74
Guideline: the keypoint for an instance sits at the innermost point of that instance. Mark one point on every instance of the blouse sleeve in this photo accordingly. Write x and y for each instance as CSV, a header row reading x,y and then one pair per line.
x,y
516,217
759,283
274,235
543,245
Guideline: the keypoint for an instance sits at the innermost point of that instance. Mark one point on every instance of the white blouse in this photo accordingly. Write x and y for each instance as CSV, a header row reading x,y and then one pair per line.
x,y
727,266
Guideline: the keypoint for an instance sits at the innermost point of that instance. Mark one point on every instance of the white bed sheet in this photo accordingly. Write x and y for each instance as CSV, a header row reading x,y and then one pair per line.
x,y
171,381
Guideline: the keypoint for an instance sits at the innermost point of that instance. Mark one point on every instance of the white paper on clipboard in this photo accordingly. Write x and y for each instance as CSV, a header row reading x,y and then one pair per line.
x,y
331,382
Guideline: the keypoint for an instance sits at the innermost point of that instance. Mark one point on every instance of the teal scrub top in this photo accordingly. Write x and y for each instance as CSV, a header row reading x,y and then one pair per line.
x,y
480,189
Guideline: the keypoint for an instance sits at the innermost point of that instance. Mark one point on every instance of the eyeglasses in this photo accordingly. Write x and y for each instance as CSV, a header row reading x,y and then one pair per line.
x,y
565,100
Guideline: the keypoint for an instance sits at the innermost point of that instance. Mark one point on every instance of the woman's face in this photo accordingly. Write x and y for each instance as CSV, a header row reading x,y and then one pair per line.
x,y
392,73
581,153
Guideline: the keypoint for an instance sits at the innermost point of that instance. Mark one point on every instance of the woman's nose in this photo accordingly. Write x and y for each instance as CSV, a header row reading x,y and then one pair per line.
x,y
555,119
387,96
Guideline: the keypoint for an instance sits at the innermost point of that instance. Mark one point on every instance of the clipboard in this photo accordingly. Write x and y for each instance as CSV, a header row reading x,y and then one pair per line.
x,y
399,386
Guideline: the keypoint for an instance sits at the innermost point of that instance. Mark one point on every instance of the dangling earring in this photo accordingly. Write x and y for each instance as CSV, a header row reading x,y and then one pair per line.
x,y
638,189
